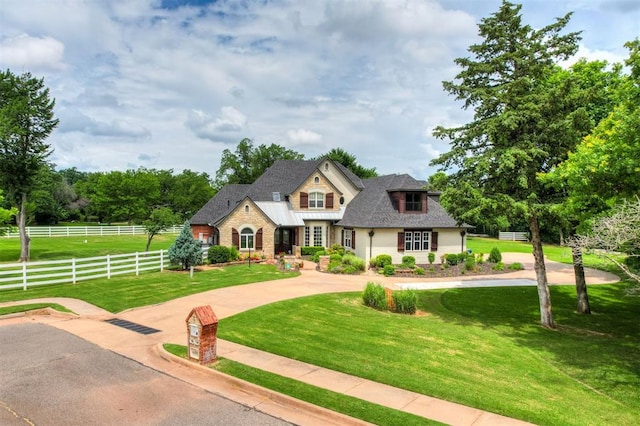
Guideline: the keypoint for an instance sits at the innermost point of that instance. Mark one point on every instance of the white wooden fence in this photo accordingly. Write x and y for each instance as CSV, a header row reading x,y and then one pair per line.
x,y
514,236
71,231
30,274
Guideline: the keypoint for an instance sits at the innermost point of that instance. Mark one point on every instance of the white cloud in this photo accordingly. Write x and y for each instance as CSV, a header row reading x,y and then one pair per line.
x,y
303,137
28,52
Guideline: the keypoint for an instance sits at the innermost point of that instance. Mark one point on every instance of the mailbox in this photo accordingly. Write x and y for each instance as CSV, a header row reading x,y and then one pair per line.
x,y
202,330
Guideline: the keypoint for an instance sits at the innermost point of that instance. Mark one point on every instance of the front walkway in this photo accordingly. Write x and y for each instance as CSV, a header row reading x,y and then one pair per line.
x,y
170,318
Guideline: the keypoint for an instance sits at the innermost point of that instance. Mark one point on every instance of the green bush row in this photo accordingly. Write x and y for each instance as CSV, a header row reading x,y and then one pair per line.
x,y
310,250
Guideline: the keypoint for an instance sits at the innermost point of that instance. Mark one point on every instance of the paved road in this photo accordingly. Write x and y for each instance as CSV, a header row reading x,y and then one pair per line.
x,y
51,377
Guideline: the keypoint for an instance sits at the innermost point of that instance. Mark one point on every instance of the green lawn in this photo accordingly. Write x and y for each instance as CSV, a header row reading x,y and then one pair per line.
x,y
478,347
56,248
130,291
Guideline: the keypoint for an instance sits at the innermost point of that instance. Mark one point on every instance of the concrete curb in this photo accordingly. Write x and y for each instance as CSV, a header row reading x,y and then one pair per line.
x,y
322,415
42,311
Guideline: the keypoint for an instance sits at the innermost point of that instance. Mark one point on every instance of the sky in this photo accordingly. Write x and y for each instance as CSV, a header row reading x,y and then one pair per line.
x,y
170,84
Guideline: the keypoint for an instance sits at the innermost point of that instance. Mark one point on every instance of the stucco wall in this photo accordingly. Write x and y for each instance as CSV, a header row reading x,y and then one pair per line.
x,y
385,241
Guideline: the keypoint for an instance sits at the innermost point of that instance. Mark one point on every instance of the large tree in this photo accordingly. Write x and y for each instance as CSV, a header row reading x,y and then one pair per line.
x,y
248,163
26,121
524,124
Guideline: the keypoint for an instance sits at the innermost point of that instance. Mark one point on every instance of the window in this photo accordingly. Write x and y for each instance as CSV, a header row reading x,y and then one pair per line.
x,y
316,200
413,202
348,238
317,236
246,208
417,240
316,179
246,239
306,236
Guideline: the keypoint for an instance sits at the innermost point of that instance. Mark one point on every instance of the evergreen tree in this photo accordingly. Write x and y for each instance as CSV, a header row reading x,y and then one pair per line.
x,y
524,124
186,250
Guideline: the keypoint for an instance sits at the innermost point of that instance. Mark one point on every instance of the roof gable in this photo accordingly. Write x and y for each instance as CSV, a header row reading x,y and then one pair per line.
x,y
373,206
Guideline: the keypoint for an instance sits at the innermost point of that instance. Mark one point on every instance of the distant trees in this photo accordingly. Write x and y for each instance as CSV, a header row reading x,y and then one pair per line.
x,y
247,163
26,121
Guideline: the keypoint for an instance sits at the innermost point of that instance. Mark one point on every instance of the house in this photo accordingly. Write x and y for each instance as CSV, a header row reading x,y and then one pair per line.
x,y
299,203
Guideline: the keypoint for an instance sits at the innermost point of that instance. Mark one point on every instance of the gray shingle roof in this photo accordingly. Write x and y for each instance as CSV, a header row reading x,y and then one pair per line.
x,y
373,207
220,205
284,176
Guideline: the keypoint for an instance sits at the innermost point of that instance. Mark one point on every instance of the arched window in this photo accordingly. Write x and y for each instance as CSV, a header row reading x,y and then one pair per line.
x,y
316,179
246,239
246,208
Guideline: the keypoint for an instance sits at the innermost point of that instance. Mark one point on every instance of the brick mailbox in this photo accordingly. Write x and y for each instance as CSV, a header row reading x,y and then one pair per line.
x,y
202,329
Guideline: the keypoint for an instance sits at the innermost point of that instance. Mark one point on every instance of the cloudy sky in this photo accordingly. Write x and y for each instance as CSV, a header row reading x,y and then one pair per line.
x,y
169,84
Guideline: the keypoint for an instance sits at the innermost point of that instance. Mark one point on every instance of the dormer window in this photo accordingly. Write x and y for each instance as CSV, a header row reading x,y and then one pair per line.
x,y
316,200
413,202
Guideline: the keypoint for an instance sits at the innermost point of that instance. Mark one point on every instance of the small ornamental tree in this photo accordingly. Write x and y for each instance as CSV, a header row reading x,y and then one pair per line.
x,y
160,220
186,250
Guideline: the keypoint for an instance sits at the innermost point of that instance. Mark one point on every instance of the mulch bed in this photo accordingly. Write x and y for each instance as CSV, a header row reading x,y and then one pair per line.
x,y
452,271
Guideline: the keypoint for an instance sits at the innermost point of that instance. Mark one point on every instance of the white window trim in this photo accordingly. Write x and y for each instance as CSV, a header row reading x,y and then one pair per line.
x,y
419,239
348,238
315,200
244,239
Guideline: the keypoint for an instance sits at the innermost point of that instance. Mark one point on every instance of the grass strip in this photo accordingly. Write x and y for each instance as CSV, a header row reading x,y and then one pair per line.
x,y
32,306
344,404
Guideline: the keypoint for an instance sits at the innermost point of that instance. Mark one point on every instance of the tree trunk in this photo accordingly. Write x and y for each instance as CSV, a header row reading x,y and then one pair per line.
x,y
581,282
22,229
546,315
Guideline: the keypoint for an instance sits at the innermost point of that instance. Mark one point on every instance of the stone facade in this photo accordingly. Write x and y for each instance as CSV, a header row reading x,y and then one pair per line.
x,y
247,214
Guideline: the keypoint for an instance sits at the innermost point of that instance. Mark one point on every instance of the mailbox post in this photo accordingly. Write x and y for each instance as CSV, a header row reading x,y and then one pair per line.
x,y
202,330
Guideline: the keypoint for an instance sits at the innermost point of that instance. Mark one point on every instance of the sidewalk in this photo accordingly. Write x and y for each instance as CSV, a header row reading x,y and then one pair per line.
x,y
170,318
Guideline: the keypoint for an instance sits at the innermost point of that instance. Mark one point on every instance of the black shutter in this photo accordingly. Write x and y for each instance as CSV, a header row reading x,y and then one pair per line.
x,y
304,200
434,241
235,238
400,241
259,239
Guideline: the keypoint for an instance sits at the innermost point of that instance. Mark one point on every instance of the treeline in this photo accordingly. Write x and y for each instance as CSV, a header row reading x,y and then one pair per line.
x,y
71,195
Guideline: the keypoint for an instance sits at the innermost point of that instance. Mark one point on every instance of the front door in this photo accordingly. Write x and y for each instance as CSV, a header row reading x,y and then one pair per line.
x,y
283,240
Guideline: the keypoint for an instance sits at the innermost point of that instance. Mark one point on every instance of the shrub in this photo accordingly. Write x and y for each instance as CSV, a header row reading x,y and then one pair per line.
x,y
432,257
336,249
374,296
405,301
516,266
633,263
383,260
498,266
462,257
336,257
349,269
452,259
480,258
316,256
409,261
470,263
218,254
389,270
495,256
357,263
431,269
419,271
335,267
310,250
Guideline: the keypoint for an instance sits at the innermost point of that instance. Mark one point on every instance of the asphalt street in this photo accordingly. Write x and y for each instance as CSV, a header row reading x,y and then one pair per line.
x,y
51,377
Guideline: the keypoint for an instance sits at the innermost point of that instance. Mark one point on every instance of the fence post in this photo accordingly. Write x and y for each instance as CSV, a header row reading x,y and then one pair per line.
x,y
108,266
137,265
24,275
161,260
73,270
